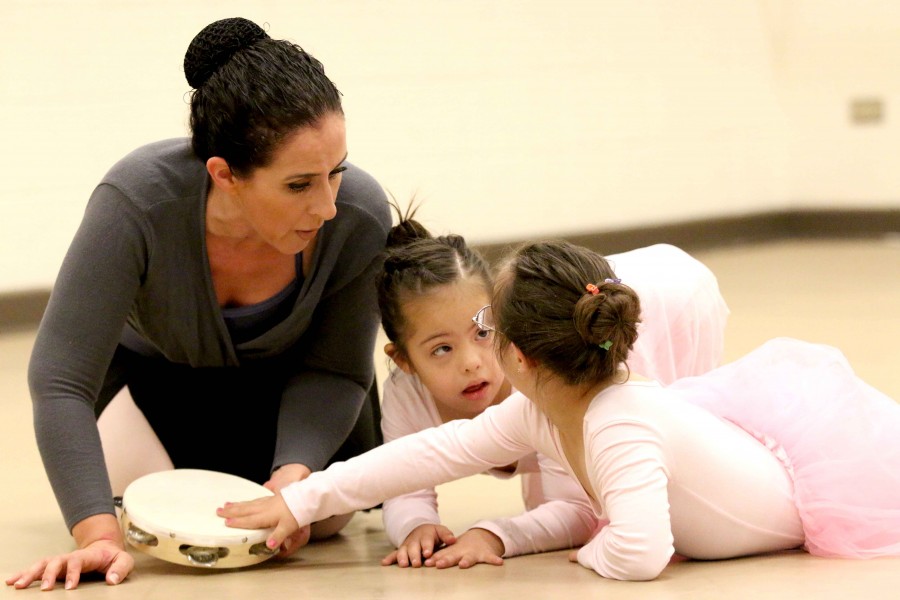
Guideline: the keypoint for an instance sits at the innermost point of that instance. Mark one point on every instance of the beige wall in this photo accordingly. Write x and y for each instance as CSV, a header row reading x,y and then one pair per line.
x,y
508,118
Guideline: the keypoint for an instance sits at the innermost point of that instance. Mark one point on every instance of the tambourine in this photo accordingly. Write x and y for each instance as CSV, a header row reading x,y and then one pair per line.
x,y
172,515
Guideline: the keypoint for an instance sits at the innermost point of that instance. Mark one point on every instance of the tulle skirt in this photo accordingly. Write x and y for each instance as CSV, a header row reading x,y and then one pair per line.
x,y
683,313
838,436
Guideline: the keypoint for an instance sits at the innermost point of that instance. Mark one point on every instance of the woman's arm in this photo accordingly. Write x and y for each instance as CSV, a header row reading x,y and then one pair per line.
x,y
77,338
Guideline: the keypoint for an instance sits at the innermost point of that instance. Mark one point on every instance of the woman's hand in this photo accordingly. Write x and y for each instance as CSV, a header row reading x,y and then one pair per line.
x,y
419,545
473,547
262,513
100,548
285,475
282,477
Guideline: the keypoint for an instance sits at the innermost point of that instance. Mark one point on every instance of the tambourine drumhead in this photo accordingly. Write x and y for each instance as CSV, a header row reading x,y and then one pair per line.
x,y
172,515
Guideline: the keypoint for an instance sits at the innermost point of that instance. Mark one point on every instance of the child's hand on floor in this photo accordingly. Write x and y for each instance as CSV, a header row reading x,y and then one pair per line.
x,y
419,545
473,547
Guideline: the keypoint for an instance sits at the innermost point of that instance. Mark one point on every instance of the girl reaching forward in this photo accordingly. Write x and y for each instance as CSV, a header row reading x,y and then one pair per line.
x,y
428,291
711,467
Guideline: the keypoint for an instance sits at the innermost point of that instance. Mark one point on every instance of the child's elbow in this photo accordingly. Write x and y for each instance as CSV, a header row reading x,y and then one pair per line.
x,y
635,561
645,571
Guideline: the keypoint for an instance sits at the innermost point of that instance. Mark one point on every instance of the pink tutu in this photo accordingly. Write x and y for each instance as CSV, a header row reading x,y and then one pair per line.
x,y
838,436
683,313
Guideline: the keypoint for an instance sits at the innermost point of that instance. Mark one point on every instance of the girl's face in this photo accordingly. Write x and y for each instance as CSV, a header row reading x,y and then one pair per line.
x,y
288,201
452,358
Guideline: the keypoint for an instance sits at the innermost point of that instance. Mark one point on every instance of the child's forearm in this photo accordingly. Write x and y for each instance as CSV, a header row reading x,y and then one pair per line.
x,y
552,526
422,460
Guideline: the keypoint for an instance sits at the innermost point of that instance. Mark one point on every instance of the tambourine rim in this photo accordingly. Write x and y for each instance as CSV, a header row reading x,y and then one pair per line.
x,y
168,549
233,536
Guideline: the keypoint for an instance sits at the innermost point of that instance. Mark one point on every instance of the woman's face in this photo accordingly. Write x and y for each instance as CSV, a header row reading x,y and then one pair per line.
x,y
288,201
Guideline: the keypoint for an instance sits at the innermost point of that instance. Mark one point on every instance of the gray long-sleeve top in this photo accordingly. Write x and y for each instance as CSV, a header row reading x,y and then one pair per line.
x,y
139,260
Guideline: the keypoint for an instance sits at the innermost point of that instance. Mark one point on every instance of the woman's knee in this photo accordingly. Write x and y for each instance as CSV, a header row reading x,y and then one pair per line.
x,y
328,527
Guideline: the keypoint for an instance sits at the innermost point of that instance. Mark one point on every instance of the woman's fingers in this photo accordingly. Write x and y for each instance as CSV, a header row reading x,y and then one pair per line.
x,y
73,573
25,578
101,556
121,567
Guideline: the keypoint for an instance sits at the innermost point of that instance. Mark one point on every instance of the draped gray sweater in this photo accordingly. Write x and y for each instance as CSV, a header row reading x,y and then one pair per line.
x,y
138,263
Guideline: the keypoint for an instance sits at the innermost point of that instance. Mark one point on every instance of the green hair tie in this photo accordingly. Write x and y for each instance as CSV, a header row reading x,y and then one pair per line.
x,y
606,345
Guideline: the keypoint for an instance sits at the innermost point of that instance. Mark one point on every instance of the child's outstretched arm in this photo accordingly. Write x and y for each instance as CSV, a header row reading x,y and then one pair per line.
x,y
455,450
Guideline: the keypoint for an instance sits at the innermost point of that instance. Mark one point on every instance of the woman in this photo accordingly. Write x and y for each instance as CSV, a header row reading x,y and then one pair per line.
x,y
226,281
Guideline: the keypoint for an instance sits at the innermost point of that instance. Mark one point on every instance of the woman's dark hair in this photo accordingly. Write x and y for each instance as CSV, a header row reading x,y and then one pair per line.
x,y
251,92
543,305
415,263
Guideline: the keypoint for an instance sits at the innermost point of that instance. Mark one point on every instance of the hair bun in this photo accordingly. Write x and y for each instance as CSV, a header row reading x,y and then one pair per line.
x,y
216,44
406,232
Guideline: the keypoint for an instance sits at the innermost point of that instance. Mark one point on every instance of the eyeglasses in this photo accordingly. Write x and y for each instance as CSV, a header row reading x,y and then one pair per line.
x,y
484,319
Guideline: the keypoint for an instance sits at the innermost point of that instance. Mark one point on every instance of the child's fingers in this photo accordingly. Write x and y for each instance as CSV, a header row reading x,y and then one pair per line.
x,y
427,547
415,554
258,521
403,556
275,540
294,541
445,536
283,530
493,559
248,518
240,509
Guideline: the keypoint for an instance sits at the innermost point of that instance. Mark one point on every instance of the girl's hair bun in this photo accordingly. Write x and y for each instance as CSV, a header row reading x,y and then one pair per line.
x,y
407,232
216,44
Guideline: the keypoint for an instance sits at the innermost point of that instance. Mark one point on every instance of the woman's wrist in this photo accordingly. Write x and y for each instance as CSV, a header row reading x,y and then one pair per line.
x,y
100,527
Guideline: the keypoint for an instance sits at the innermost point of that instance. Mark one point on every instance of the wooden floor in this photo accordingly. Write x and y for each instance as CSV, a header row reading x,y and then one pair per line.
x,y
841,293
